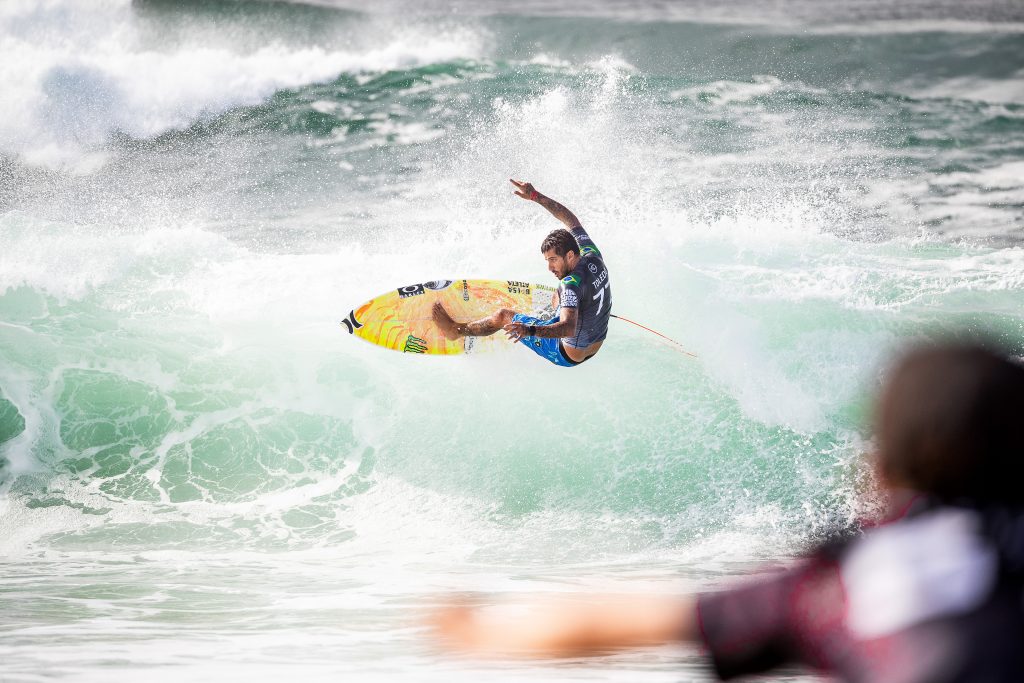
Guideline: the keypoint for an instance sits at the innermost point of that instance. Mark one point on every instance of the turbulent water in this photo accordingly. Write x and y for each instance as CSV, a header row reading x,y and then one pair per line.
x,y
202,477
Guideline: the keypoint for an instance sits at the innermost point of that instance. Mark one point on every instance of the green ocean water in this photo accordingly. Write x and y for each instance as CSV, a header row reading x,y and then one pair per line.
x,y
202,476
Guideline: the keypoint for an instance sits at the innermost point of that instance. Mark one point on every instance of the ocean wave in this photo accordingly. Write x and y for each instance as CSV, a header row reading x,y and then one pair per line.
x,y
67,94
803,13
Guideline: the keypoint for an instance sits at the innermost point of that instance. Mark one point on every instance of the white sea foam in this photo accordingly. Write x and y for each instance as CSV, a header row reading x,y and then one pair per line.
x,y
66,91
722,93
543,59
999,91
1007,176
882,27
70,262
406,134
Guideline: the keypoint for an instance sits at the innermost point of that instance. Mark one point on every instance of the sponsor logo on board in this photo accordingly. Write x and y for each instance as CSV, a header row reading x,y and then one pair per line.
x,y
515,287
414,345
465,290
351,323
437,284
411,290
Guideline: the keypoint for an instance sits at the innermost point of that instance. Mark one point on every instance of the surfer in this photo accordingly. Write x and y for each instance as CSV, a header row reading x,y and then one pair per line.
x,y
580,326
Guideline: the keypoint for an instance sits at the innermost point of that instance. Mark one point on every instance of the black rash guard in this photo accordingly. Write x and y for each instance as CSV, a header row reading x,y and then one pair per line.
x,y
588,290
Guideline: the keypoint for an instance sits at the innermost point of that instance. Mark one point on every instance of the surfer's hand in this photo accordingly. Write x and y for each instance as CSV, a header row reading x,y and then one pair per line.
x,y
525,190
515,331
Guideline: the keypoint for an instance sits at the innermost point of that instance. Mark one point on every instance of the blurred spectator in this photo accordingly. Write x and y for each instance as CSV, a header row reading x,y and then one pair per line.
x,y
935,593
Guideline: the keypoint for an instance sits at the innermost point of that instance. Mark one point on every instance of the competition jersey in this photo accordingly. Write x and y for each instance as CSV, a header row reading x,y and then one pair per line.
x,y
587,289
934,597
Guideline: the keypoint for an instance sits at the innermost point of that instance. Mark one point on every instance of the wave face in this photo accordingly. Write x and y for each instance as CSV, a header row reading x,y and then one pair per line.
x,y
194,194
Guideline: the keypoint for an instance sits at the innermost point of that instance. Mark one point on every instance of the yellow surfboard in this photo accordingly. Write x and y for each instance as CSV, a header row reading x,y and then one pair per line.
x,y
401,319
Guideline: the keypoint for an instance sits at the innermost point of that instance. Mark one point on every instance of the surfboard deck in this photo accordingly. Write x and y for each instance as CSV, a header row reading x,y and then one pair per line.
x,y
401,318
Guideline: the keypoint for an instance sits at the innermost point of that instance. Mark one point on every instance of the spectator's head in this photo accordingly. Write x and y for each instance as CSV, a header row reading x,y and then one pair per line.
x,y
951,423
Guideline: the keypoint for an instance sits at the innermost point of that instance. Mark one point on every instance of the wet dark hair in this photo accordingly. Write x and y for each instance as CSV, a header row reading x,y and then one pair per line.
x,y
562,241
950,423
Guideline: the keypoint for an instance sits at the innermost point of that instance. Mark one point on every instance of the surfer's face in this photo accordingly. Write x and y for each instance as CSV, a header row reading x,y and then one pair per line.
x,y
559,265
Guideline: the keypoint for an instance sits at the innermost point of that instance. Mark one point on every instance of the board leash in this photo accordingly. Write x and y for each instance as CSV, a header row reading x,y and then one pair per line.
x,y
644,327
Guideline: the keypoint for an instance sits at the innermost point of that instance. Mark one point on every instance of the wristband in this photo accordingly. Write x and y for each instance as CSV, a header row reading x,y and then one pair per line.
x,y
532,329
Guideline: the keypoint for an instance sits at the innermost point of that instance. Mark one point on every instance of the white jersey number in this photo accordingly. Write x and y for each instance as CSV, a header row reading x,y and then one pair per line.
x,y
600,298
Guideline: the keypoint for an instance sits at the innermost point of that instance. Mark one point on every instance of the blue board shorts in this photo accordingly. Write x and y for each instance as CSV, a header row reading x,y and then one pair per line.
x,y
548,348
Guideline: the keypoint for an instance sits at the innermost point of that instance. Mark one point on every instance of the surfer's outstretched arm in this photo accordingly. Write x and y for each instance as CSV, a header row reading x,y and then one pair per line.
x,y
527,191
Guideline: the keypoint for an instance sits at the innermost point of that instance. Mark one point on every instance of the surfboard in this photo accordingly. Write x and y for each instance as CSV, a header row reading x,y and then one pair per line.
x,y
401,318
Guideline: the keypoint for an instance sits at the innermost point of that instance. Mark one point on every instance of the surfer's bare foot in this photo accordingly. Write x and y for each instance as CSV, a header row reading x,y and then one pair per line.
x,y
448,326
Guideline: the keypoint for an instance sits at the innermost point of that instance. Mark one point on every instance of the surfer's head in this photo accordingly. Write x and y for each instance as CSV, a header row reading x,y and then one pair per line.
x,y
561,252
949,424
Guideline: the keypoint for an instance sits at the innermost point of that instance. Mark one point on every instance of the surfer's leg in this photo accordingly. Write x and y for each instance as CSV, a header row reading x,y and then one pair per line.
x,y
477,328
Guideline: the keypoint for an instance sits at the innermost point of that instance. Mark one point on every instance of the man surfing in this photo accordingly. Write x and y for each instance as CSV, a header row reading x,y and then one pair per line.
x,y
584,296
